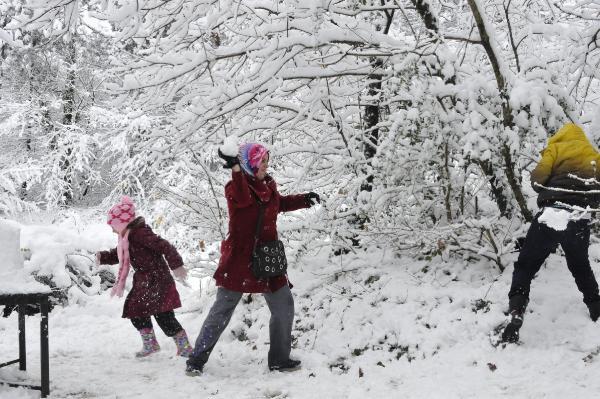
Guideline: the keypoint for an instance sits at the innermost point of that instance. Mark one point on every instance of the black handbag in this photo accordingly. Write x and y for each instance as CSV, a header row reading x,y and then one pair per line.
x,y
268,258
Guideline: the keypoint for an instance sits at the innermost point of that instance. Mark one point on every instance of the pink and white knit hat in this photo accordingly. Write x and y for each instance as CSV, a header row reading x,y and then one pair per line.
x,y
121,214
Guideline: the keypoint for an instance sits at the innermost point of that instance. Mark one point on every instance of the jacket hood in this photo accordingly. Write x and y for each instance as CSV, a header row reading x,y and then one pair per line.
x,y
569,132
137,222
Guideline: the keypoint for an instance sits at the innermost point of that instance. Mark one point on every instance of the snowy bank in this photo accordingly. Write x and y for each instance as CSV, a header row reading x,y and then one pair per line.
x,y
367,326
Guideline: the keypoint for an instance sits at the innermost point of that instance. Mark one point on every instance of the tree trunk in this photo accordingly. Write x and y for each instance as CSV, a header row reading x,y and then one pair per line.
x,y
498,194
371,119
370,128
69,117
496,187
427,16
507,118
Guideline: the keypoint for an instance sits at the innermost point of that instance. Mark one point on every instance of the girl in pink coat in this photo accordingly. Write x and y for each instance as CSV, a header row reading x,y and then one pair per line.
x,y
153,292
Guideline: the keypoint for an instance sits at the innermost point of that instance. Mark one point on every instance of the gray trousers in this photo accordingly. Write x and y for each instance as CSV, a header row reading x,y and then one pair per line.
x,y
281,305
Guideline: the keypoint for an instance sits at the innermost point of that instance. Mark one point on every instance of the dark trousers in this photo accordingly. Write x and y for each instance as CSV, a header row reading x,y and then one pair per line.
x,y
281,305
166,321
540,241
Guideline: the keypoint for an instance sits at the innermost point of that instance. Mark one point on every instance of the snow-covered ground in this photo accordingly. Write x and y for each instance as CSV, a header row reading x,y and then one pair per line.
x,y
367,326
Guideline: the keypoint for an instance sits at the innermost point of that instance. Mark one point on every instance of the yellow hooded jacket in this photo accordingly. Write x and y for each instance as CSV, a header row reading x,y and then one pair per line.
x,y
570,166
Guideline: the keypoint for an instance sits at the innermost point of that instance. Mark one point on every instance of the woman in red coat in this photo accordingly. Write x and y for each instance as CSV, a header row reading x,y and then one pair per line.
x,y
249,184
153,292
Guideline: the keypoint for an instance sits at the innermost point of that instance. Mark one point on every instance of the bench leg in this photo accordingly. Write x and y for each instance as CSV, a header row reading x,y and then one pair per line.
x,y
22,352
44,349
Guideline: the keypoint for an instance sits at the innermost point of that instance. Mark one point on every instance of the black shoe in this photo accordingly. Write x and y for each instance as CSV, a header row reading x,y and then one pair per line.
x,y
193,370
288,365
516,306
511,331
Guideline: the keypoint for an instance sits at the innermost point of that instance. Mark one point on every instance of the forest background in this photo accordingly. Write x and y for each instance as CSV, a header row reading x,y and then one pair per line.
x,y
417,121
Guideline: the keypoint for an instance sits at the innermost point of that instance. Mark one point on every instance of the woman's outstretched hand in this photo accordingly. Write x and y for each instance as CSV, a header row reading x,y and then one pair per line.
x,y
230,161
312,198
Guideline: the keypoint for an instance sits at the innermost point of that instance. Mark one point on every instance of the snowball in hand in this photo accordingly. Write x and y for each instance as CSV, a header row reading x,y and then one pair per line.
x,y
230,146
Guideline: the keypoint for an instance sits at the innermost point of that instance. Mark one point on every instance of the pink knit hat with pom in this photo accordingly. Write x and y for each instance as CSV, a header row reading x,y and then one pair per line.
x,y
121,214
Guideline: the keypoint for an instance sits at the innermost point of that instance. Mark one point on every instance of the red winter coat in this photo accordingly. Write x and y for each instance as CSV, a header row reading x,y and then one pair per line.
x,y
234,271
153,288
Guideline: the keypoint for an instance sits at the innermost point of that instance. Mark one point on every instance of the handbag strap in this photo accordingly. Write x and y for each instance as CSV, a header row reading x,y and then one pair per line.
x,y
261,215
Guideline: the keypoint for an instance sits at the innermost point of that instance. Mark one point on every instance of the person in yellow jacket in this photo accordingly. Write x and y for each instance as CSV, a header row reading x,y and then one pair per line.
x,y
567,180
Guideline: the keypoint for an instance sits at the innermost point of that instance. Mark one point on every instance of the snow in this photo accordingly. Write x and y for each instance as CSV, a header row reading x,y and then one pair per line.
x,y
6,37
50,246
557,219
230,146
13,278
298,76
367,325
10,239
18,282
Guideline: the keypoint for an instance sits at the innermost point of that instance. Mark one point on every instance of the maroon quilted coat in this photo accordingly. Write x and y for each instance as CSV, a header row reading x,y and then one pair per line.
x,y
234,271
153,288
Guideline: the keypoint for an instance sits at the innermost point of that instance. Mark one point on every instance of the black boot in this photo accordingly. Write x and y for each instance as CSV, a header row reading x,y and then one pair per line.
x,y
288,365
516,306
192,368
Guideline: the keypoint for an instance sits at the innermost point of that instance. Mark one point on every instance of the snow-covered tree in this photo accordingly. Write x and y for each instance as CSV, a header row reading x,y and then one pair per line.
x,y
52,102
418,120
